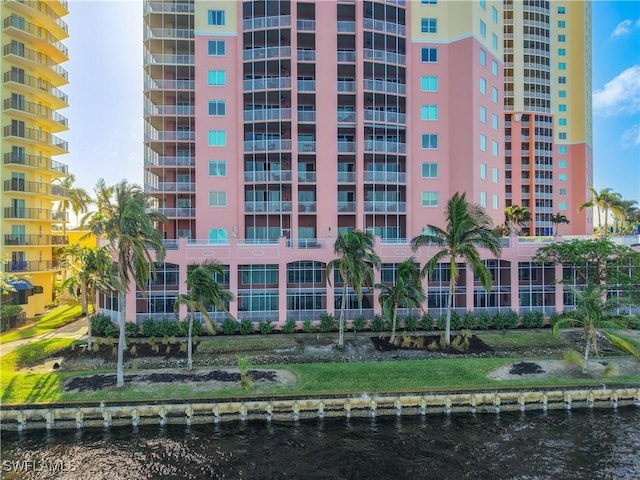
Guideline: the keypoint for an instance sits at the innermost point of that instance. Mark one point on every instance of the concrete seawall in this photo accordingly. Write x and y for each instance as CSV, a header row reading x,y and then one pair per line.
x,y
31,417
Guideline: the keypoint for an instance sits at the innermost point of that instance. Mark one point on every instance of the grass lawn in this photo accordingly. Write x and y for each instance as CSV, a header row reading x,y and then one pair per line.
x,y
44,324
515,340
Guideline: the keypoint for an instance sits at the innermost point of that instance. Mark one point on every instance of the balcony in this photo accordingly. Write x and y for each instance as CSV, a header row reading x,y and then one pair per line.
x,y
306,25
346,207
262,114
306,243
168,33
170,110
346,147
385,147
346,86
36,136
345,26
35,240
306,55
306,116
39,188
306,207
259,23
348,56
170,136
384,56
155,84
385,86
45,10
346,117
49,42
384,116
169,59
158,161
385,27
267,207
385,177
173,7
36,162
306,146
266,145
59,98
185,212
33,56
171,187
385,207
266,52
346,177
306,85
57,120
40,214
32,266
266,83
267,176
307,177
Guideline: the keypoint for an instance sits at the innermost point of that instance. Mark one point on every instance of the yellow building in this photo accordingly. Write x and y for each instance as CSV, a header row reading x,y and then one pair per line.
x,y
32,52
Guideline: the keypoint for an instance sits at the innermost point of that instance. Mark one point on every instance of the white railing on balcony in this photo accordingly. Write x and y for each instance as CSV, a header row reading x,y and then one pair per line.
x,y
346,86
306,25
393,177
305,243
176,212
171,187
268,176
265,83
384,56
306,146
346,177
384,116
167,58
170,161
267,114
266,22
306,115
266,145
266,52
382,146
385,86
170,135
168,33
273,206
386,27
346,117
346,207
306,55
307,177
155,84
387,207
346,56
306,207
345,26
307,85
170,110
173,7
346,146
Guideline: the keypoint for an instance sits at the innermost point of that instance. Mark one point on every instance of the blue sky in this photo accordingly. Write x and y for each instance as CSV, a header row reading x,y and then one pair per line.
x,y
105,93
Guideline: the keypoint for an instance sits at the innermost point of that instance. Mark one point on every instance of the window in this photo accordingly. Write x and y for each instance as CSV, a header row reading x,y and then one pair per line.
x,y
562,38
562,24
217,78
562,52
562,66
483,4
217,168
562,107
495,173
483,171
218,235
562,79
215,17
562,177
429,84
494,121
494,41
494,68
562,205
563,192
483,58
483,29
429,112
429,54
483,144
562,122
217,108
562,93
217,138
429,199
429,2
562,163
495,201
429,170
494,14
562,150
483,86
494,94
494,148
562,135
429,25
483,199
561,10
217,198
483,114
430,141
216,47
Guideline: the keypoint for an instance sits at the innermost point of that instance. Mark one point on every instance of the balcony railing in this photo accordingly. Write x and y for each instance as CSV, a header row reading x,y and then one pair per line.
x,y
19,185
15,48
385,86
392,177
263,114
35,109
36,161
162,33
268,176
168,7
32,29
185,212
382,146
306,207
169,59
384,116
346,85
346,117
35,135
348,147
384,56
382,206
36,240
305,243
177,135
307,177
35,82
266,145
386,27
346,177
170,161
306,146
307,85
32,266
266,22
273,206
346,207
171,187
266,83
266,52
345,26
306,116
35,214
346,56
45,9
306,55
155,84
306,25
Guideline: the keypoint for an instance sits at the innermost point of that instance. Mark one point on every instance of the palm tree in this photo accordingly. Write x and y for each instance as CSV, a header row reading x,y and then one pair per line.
x,y
407,291
91,271
603,200
468,228
77,199
597,314
204,291
516,216
355,263
129,228
556,220
623,213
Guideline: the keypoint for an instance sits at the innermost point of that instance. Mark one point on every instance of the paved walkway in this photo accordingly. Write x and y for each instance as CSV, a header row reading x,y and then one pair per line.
x,y
76,330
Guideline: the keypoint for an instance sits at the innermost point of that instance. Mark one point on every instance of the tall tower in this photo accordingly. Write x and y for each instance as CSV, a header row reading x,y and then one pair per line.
x,y
32,52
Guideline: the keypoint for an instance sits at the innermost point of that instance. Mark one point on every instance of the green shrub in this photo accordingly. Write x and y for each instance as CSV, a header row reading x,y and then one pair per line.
x,y
328,323
456,321
244,363
359,324
229,326
289,326
131,329
442,321
511,319
166,328
307,326
246,327
469,320
426,322
499,321
378,324
148,327
266,327
634,323
410,323
485,320
102,326
533,320
8,311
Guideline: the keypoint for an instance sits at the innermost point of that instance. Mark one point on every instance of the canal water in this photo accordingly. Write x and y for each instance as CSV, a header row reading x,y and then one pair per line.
x,y
578,444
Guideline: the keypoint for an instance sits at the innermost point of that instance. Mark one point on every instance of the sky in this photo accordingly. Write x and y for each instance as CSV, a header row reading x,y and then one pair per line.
x,y
106,102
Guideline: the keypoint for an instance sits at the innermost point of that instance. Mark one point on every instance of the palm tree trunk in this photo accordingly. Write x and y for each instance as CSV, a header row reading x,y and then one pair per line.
x,y
393,323
122,304
190,342
343,307
600,221
586,353
447,332
85,311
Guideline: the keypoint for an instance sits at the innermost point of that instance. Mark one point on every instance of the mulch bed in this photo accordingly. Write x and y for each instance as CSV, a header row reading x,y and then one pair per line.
x,y
475,345
109,352
525,368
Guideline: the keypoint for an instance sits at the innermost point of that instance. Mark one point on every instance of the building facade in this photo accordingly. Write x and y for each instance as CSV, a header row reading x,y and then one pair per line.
x,y
32,51
273,126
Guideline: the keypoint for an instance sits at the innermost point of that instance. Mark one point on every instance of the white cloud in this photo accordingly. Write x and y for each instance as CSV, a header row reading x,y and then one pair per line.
x,y
631,136
620,95
622,28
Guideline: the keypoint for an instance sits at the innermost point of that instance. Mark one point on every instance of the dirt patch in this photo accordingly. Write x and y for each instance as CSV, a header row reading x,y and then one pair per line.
x,y
614,367
525,368
430,343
